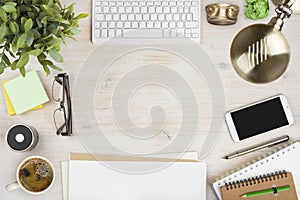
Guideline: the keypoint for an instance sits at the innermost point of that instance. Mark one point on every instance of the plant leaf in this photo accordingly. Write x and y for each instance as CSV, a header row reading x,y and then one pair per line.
x,y
35,52
29,38
14,28
55,67
9,8
2,31
44,21
5,59
23,71
21,41
3,15
23,60
28,25
46,69
2,67
55,55
81,16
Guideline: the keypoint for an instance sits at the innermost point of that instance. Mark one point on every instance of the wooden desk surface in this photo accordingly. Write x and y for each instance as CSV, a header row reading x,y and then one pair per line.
x,y
216,41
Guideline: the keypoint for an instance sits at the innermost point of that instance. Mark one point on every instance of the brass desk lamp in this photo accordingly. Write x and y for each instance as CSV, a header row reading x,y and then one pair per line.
x,y
260,53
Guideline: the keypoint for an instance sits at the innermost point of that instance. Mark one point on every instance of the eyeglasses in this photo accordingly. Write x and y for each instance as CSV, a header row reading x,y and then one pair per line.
x,y
63,115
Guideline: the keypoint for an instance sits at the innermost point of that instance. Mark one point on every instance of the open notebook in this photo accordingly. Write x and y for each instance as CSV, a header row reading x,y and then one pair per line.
x,y
285,159
185,178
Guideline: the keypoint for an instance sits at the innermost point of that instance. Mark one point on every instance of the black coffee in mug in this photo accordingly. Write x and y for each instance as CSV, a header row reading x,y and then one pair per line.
x,y
21,138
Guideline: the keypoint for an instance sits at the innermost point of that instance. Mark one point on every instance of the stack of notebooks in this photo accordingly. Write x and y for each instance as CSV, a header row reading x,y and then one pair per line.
x,y
275,177
24,93
85,177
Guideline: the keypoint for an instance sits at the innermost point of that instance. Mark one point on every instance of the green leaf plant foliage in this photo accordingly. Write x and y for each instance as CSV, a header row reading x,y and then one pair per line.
x,y
35,28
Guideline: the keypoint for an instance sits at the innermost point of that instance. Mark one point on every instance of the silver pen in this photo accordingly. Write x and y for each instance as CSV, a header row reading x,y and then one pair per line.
x,y
258,147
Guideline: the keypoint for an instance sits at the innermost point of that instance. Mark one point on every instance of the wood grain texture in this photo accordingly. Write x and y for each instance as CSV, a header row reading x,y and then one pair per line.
x,y
215,40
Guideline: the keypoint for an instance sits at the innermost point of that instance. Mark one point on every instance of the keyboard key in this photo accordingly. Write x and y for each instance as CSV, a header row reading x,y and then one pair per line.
x,y
144,10
97,24
173,33
119,24
153,17
161,17
113,10
142,25
104,25
189,17
127,24
173,24
159,9
106,9
150,24
146,17
119,33
142,33
157,24
99,17
128,9
166,33
124,17
176,17
151,10
165,24
138,17
116,17
136,9
121,9
167,9
135,24
191,24
111,33
112,24
173,9
108,17
97,32
180,24
97,9
104,33
169,17
131,17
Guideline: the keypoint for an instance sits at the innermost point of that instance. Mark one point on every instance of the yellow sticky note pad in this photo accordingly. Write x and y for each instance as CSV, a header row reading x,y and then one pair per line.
x,y
10,108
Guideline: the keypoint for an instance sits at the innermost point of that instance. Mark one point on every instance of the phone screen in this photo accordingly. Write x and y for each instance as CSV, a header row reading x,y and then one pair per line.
x,y
259,118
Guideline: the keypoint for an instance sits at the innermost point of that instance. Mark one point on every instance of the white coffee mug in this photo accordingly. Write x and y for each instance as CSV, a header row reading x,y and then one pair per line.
x,y
18,184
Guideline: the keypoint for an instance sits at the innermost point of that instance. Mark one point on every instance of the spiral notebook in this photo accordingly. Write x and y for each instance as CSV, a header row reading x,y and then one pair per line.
x,y
284,159
235,190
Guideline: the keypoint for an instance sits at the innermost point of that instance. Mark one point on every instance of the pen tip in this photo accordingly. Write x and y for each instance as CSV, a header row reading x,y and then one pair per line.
x,y
226,157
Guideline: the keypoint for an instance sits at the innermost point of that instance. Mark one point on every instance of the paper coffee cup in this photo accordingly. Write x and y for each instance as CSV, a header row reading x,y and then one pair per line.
x,y
35,175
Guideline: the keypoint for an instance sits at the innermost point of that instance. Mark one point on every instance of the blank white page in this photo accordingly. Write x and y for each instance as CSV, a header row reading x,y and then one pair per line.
x,y
93,180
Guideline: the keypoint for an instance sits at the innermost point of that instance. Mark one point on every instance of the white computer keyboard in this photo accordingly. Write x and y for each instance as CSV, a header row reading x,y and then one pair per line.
x,y
151,21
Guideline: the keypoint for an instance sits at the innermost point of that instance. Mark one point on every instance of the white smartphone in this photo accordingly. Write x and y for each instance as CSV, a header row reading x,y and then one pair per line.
x,y
258,118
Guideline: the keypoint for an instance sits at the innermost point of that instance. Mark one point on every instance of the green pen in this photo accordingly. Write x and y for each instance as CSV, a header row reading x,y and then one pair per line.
x,y
267,191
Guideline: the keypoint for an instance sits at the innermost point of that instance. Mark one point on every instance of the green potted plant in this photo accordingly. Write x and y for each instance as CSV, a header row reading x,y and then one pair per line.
x,y
35,28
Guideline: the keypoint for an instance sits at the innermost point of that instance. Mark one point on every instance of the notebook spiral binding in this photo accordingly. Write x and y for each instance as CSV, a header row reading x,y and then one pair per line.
x,y
256,180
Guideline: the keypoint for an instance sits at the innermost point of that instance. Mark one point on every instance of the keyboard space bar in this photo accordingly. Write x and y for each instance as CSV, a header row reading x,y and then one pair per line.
x,y
142,33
